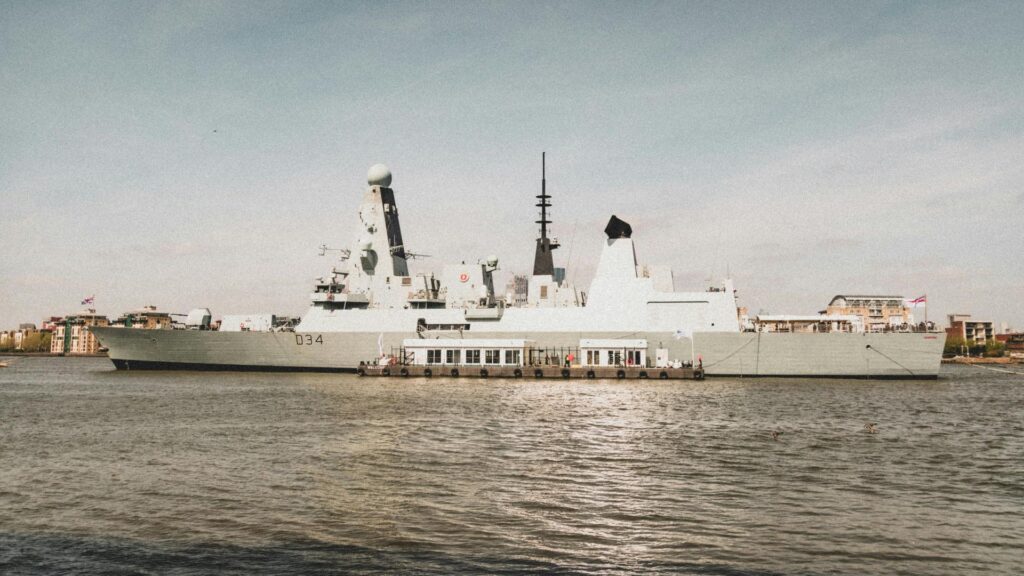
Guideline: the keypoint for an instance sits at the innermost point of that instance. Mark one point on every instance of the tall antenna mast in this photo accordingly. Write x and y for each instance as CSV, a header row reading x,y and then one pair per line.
x,y
543,264
544,200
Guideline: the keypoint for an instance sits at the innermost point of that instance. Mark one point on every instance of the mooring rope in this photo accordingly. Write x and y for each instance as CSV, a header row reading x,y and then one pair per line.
x,y
734,352
870,347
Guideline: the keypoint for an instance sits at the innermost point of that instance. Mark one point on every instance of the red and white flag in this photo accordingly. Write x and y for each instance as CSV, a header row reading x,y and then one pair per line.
x,y
919,301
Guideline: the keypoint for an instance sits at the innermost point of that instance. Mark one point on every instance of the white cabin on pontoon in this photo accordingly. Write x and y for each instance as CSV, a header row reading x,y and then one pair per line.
x,y
613,352
467,351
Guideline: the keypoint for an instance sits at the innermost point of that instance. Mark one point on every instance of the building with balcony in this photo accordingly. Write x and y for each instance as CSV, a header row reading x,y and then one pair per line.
x,y
146,317
72,336
877,313
972,332
1014,342
807,323
27,338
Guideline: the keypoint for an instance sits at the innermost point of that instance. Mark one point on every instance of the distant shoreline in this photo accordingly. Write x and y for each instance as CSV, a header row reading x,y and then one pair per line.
x,y
52,355
981,360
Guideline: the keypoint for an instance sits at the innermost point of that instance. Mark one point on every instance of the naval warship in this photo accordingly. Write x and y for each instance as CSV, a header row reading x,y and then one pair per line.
x,y
370,303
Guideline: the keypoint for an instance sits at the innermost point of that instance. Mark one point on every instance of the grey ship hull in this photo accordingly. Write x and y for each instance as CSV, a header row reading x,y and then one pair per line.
x,y
746,354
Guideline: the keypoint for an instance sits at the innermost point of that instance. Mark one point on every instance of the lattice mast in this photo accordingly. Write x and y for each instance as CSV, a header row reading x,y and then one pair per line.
x,y
543,263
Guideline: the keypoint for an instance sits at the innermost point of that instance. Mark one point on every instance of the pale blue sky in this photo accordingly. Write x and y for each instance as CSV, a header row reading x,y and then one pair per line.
x,y
195,154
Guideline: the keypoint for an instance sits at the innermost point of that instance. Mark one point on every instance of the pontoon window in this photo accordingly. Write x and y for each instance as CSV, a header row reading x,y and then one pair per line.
x,y
492,357
452,356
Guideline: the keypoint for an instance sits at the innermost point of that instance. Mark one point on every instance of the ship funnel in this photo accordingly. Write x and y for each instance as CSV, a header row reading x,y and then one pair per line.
x,y
618,259
618,229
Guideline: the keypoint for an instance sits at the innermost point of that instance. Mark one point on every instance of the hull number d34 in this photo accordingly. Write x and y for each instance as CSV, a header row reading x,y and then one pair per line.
x,y
308,340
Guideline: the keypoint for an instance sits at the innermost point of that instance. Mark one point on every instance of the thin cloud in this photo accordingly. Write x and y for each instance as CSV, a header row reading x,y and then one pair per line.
x,y
806,149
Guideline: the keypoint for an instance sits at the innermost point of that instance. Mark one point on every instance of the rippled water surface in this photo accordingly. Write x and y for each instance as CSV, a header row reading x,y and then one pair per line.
x,y
104,471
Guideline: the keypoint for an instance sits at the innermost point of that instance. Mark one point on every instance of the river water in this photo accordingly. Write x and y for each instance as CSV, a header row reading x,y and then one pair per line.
x,y
194,473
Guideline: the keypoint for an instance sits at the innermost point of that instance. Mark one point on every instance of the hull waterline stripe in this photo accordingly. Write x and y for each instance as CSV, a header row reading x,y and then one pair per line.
x,y
199,367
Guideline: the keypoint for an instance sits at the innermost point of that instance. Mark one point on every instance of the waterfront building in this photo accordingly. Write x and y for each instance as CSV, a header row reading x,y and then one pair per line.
x,y
24,331
972,332
743,317
146,317
808,323
517,289
16,339
1014,342
559,275
50,324
73,335
877,313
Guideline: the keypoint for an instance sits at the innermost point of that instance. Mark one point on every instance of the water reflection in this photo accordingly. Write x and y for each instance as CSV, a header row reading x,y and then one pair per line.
x,y
440,475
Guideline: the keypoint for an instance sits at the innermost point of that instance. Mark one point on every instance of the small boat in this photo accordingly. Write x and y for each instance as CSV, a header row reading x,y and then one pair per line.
x,y
4,364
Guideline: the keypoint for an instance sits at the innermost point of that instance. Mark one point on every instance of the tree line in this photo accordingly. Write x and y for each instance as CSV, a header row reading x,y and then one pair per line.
x,y
33,342
957,346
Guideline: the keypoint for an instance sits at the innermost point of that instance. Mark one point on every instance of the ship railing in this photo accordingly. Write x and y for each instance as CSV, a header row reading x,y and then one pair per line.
x,y
919,327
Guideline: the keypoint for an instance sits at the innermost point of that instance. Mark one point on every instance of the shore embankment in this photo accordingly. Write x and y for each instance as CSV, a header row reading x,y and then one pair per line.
x,y
51,355
982,360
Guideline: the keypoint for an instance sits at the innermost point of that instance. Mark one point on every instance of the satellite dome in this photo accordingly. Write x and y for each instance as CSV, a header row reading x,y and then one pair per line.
x,y
379,175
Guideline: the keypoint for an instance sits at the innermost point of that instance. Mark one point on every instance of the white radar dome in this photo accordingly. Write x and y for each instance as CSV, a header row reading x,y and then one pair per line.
x,y
379,175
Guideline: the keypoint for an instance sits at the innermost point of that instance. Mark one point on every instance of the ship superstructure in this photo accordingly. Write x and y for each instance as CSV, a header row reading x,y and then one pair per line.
x,y
370,303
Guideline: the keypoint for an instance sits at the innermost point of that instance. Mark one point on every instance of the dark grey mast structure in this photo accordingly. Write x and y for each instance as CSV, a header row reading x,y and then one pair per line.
x,y
543,264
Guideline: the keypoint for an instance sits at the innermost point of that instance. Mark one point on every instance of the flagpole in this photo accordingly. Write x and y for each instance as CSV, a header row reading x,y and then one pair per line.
x,y
926,312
